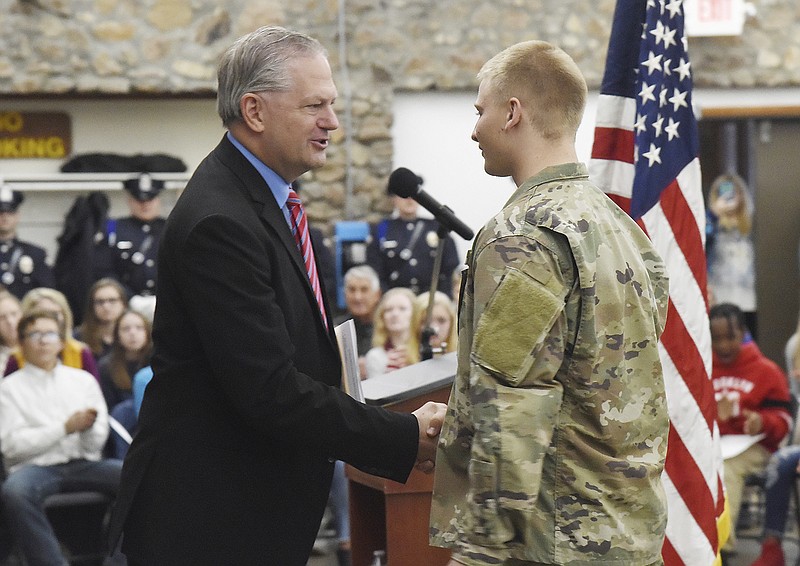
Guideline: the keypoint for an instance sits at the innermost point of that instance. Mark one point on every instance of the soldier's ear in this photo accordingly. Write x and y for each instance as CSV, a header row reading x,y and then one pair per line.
x,y
513,113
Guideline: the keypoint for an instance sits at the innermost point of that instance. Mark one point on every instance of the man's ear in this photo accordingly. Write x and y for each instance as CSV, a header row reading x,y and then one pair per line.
x,y
513,113
252,107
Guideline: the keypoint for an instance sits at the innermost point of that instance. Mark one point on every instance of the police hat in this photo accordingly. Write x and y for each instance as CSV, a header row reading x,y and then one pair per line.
x,y
9,199
143,187
404,182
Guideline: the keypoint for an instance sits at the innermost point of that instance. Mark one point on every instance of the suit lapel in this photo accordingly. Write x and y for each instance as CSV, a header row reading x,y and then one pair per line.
x,y
272,216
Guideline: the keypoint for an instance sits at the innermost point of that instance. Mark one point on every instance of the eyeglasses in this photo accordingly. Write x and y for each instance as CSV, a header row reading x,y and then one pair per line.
x,y
48,337
110,301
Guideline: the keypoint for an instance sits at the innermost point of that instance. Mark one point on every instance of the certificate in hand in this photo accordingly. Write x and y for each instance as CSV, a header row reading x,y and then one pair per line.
x,y
351,380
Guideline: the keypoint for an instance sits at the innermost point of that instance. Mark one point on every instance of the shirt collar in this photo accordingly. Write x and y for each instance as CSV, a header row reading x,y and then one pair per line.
x,y
38,372
277,185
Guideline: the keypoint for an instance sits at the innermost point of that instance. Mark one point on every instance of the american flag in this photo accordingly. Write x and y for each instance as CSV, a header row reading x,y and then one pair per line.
x,y
645,158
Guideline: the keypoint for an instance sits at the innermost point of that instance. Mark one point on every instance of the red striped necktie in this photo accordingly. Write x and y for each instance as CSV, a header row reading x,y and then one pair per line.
x,y
300,233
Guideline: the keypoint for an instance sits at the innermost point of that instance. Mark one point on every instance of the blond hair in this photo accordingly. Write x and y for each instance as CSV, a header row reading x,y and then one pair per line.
x,y
379,333
544,77
418,323
34,296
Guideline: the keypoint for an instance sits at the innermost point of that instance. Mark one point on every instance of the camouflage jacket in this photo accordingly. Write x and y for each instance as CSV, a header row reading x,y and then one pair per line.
x,y
556,429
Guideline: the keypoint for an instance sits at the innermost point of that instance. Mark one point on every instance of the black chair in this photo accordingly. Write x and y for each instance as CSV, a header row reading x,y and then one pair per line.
x,y
80,520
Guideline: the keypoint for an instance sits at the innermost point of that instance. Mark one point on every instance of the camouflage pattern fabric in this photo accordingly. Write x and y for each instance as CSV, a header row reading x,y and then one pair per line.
x,y
556,430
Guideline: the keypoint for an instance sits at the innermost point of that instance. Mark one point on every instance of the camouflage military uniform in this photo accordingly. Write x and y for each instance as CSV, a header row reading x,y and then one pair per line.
x,y
556,431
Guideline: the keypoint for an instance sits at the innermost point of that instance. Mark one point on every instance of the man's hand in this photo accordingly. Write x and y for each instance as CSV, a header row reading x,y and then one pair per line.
x,y
80,421
430,418
753,423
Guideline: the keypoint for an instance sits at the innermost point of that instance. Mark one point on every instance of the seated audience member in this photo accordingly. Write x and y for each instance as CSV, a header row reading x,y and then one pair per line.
x,y
752,398
443,326
75,353
129,353
362,291
53,424
782,473
10,313
391,333
105,303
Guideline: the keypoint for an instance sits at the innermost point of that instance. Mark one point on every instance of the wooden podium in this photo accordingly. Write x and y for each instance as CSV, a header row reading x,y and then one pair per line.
x,y
387,515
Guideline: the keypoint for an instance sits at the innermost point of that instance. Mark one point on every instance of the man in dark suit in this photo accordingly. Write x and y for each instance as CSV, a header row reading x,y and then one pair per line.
x,y
244,417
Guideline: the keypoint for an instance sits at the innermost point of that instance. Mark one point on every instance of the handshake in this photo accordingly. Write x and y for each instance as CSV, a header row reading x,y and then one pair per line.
x,y
430,418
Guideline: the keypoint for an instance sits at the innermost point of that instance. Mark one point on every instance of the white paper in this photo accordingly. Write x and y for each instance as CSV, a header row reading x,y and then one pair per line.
x,y
348,350
117,427
734,444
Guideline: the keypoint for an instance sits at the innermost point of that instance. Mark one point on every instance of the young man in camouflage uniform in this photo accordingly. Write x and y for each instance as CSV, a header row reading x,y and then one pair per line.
x,y
556,431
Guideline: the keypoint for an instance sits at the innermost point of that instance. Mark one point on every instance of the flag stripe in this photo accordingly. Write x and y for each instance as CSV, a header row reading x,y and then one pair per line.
x,y
684,538
688,480
689,365
614,144
669,554
692,428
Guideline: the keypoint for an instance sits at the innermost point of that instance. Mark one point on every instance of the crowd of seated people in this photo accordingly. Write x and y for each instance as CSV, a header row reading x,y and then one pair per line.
x,y
108,336
112,343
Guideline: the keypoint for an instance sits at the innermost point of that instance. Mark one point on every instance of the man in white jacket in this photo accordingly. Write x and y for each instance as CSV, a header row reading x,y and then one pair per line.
x,y
53,425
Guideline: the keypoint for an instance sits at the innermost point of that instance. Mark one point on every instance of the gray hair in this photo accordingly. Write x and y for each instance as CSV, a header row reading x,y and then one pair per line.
x,y
258,62
363,272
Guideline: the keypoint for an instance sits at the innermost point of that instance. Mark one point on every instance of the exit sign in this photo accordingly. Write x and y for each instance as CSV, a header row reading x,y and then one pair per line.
x,y
715,17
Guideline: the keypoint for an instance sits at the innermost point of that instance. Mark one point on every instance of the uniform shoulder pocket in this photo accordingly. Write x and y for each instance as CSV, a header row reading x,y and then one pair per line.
x,y
515,323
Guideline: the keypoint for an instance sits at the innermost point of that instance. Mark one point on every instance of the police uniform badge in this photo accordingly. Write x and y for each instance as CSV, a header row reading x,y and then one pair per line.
x,y
26,265
432,239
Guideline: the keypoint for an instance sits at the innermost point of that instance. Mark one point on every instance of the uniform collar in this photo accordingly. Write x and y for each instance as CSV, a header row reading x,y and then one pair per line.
x,y
561,172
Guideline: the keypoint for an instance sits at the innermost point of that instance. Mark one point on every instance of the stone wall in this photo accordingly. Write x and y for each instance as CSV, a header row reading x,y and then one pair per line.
x,y
170,48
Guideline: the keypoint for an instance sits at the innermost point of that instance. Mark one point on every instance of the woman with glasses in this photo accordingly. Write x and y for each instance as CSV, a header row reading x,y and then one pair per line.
x,y
105,303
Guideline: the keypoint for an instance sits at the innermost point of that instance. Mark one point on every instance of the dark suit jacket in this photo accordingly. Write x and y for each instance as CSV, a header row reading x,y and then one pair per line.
x,y
243,419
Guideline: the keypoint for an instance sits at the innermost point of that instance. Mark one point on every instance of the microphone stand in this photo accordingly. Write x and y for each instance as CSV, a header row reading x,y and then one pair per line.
x,y
426,351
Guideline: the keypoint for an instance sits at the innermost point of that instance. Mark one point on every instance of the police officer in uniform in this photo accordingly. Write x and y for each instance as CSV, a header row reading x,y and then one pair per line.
x,y
402,248
22,265
128,250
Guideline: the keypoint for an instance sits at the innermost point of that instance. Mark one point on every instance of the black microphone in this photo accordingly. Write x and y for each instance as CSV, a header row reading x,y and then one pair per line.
x,y
406,184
